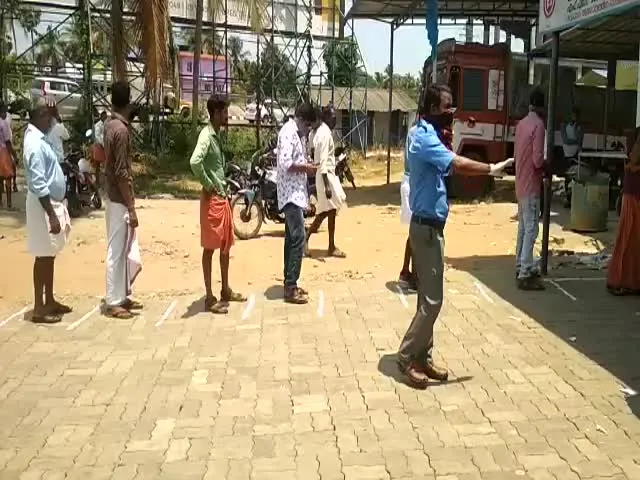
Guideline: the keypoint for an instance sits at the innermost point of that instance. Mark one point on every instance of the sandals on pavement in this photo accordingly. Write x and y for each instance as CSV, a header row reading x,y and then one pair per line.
x,y
216,307
46,318
336,253
232,296
119,313
132,305
58,308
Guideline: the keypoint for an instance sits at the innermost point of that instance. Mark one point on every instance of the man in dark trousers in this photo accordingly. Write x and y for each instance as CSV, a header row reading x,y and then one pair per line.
x,y
430,161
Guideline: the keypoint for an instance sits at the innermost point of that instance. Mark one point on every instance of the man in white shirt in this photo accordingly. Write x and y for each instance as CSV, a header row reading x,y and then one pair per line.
x,y
572,137
293,198
98,129
331,196
58,134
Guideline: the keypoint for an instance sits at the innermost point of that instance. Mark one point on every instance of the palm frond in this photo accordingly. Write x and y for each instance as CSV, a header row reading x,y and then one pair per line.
x,y
153,28
254,11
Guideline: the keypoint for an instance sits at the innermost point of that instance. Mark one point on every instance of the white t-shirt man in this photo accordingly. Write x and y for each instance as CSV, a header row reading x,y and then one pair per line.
x,y
56,137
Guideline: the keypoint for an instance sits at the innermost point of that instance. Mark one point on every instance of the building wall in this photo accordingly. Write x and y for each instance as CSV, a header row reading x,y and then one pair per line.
x,y
207,66
373,129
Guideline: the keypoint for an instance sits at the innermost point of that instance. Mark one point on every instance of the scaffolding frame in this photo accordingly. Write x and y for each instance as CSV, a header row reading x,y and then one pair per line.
x,y
304,51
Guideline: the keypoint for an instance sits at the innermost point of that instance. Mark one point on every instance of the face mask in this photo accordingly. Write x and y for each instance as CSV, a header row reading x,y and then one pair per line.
x,y
442,120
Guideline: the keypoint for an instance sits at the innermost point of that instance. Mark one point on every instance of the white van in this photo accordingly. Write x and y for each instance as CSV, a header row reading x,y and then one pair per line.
x,y
67,94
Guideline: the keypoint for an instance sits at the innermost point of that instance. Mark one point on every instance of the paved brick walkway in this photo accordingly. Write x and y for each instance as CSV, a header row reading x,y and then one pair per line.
x,y
283,392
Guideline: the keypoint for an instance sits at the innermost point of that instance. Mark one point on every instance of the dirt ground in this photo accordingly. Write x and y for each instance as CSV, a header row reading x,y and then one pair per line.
x,y
369,231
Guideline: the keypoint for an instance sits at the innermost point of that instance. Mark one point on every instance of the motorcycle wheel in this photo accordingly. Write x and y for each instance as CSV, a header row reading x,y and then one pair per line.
x,y
74,208
243,217
96,201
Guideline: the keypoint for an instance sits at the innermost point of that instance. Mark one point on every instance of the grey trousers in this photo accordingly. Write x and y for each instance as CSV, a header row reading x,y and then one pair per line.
x,y
427,244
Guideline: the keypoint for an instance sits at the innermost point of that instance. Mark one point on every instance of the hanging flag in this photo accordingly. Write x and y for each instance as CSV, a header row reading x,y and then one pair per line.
x,y
432,33
432,24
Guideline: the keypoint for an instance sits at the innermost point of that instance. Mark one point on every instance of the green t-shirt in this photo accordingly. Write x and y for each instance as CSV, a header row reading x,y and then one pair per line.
x,y
208,163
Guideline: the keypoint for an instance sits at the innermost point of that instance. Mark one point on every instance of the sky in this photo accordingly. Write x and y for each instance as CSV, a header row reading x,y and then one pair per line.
x,y
411,45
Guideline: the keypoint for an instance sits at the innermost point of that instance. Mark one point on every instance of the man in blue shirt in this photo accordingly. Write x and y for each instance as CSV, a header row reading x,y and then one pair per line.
x,y
47,218
429,163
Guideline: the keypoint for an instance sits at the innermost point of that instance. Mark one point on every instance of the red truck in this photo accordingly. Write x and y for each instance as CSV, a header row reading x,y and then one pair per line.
x,y
490,87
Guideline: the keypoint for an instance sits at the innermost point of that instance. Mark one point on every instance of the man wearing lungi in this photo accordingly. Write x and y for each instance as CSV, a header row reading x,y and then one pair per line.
x,y
330,194
8,156
121,217
216,220
48,223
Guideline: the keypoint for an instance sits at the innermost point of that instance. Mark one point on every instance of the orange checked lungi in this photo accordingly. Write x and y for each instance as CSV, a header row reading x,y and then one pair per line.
x,y
6,163
216,223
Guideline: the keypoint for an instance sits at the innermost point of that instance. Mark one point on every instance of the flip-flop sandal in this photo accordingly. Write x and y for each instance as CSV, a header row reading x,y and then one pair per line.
x,y
132,305
232,296
219,308
46,319
118,313
337,253
60,309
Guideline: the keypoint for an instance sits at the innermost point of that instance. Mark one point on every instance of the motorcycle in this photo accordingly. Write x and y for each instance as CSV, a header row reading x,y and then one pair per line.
x,y
81,187
257,200
343,171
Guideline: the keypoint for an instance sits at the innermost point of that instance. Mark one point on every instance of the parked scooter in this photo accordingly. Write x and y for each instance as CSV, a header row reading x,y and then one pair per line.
x,y
81,186
257,201
343,171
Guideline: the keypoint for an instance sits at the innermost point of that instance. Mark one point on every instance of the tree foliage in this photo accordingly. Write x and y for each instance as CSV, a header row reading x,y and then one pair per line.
x,y
16,13
343,62
275,75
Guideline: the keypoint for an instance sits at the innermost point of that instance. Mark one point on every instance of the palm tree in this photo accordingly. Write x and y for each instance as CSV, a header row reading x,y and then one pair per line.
x,y
149,35
74,40
236,54
12,12
211,45
50,50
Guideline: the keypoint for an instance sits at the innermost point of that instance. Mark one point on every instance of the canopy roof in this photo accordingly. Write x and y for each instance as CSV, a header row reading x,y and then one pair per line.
x,y
612,38
400,11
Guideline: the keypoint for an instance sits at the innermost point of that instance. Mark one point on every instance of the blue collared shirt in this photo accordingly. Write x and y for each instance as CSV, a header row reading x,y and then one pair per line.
x,y
429,162
42,171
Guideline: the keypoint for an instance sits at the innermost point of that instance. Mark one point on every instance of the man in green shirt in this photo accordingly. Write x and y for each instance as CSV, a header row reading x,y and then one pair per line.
x,y
216,219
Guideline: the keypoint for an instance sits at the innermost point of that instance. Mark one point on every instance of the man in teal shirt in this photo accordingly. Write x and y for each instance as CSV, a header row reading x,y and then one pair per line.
x,y
216,219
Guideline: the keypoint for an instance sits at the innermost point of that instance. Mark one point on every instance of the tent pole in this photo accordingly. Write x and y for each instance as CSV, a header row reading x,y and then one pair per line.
x,y
551,134
390,111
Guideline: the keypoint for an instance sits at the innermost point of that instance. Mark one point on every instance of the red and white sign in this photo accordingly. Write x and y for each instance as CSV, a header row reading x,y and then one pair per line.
x,y
557,15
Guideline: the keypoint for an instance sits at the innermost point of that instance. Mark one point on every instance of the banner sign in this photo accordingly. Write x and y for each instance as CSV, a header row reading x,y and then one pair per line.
x,y
557,15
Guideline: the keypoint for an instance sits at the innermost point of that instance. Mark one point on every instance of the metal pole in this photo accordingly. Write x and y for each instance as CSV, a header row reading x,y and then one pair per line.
x,y
390,110
89,67
195,89
551,134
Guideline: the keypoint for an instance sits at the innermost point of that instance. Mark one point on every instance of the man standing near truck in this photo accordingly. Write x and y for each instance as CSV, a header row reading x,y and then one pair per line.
x,y
430,161
529,156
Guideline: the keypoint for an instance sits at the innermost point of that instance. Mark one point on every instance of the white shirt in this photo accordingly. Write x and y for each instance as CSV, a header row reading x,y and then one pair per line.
x,y
571,130
5,132
98,131
324,150
292,186
56,137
